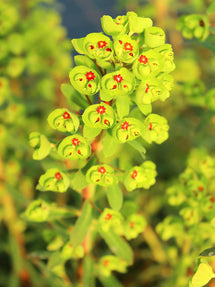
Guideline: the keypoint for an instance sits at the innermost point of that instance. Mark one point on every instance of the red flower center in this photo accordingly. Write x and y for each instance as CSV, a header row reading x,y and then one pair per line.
x,y
131,224
75,141
90,76
102,44
150,126
125,126
134,174
212,199
143,59
200,188
147,88
101,110
58,176
102,170
108,216
128,47
66,116
118,78
106,262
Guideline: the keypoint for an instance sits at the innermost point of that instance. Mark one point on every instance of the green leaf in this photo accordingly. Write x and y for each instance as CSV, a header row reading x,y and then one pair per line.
x,y
90,133
54,260
73,97
145,109
115,197
117,245
81,60
88,272
82,225
79,181
110,145
109,281
122,105
138,24
211,7
208,252
139,147
203,275
78,44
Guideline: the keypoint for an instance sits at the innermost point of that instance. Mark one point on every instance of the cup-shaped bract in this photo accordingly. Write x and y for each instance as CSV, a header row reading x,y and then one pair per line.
x,y
110,263
63,120
141,176
74,147
98,46
110,219
115,26
102,174
120,82
99,116
150,90
85,80
154,37
155,129
54,180
40,144
149,63
194,25
167,55
126,49
37,211
138,24
68,251
134,225
128,129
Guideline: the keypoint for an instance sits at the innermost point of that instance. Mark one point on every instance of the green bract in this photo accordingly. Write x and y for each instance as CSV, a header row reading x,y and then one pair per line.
x,y
194,25
69,252
120,82
155,129
148,63
134,225
37,211
99,116
54,180
141,176
203,275
40,144
110,219
110,263
127,129
102,175
74,147
85,80
154,37
167,55
138,24
63,120
114,26
126,49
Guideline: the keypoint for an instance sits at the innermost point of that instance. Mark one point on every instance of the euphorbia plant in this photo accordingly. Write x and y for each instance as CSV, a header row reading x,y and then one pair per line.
x,y
112,87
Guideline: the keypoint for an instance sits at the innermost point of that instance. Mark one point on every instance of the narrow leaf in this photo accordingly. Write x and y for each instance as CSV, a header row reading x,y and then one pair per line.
x,y
109,281
211,7
110,145
117,245
115,197
82,225
122,105
88,274
89,132
138,146
73,97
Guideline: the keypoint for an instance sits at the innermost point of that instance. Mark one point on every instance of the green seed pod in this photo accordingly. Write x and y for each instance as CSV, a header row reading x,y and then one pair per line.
x,y
167,55
54,180
110,219
63,120
99,116
154,37
41,145
110,263
120,82
126,49
74,147
101,175
149,63
112,26
155,129
85,80
141,176
127,129
37,211
134,225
